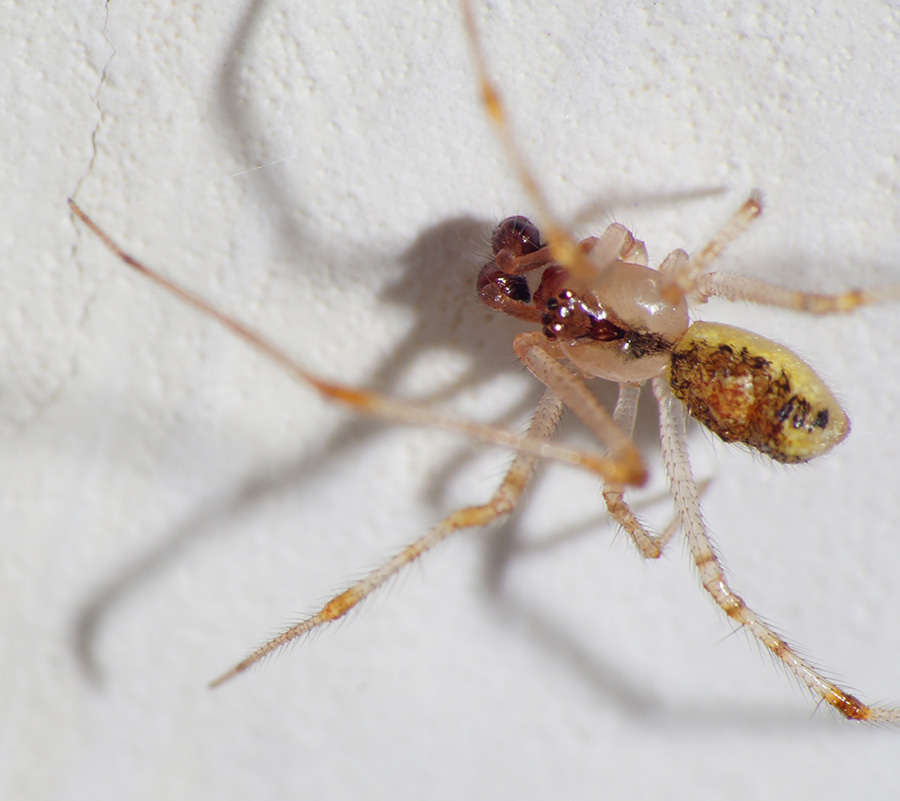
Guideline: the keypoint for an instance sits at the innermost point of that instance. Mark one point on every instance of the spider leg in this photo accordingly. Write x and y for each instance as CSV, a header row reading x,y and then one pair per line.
x,y
636,250
615,243
681,278
713,577
685,275
364,402
650,547
563,246
624,458
736,287
504,500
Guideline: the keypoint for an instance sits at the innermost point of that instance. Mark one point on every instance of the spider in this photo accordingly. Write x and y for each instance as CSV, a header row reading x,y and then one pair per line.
x,y
604,313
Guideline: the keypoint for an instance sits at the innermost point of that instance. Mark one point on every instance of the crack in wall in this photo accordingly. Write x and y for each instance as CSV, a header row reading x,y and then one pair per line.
x,y
92,161
42,398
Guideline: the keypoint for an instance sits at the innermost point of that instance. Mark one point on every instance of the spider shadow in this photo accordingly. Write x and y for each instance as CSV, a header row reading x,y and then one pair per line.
x,y
237,124
431,286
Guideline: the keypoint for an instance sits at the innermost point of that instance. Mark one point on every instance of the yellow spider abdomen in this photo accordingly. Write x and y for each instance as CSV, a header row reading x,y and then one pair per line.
x,y
746,388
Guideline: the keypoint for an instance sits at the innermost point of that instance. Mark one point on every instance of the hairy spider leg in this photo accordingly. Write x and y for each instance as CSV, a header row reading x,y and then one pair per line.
x,y
628,471
714,580
544,422
689,276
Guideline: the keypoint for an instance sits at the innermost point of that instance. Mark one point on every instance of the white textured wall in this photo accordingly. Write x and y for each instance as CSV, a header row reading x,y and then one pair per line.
x,y
324,172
